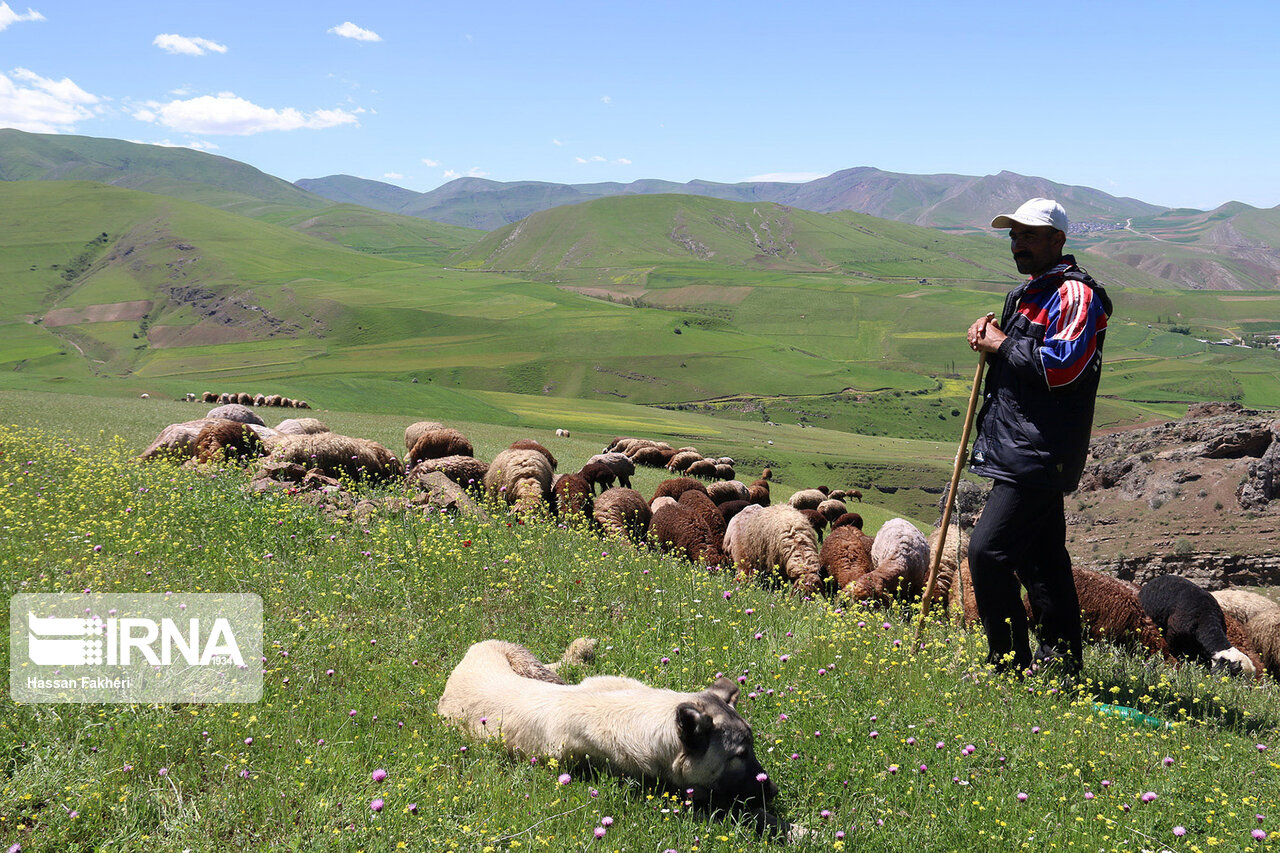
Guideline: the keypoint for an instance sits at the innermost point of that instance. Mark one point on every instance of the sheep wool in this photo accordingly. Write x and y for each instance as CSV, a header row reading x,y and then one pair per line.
x,y
437,443
777,539
728,490
176,442
622,512
301,426
520,477
466,471
1192,622
900,564
677,529
233,411
337,455
415,431
845,557
807,499
530,444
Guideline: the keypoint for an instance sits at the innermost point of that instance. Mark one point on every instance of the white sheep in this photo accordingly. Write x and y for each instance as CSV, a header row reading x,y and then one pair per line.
x,y
776,539
899,564
520,477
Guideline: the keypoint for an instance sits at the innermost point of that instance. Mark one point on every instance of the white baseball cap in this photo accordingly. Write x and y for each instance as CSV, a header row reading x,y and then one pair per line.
x,y
1036,212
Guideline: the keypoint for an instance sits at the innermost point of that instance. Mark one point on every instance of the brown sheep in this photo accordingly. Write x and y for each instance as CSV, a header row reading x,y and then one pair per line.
x,y
597,474
677,486
652,456
807,498
832,509
439,443
817,520
208,397
1239,638
530,444
681,461
1111,613
848,518
766,474
727,490
415,431
622,512
758,492
244,399
574,498
677,529
702,506
703,468
845,556
622,466
228,441
259,399
725,472
729,509
337,456
466,471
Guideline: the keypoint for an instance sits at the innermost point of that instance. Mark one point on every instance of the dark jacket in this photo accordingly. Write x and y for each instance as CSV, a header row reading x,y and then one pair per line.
x,y
1037,413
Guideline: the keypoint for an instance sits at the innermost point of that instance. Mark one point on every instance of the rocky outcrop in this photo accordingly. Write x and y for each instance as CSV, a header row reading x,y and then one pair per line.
x,y
1209,571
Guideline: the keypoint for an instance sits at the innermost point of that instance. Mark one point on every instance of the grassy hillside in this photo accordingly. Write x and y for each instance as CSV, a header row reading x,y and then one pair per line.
x,y
179,172
875,743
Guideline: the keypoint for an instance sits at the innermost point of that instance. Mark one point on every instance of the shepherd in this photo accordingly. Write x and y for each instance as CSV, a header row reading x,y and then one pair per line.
x,y
1044,358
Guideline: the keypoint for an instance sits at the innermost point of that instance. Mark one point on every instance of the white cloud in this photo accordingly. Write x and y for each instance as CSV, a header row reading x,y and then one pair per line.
x,y
40,105
229,115
188,46
580,159
429,162
606,99
392,176
787,177
349,30
596,158
556,142
449,174
8,16
473,172
197,144
623,161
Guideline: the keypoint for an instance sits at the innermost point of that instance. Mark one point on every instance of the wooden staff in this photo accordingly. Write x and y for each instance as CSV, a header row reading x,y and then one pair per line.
x,y
936,560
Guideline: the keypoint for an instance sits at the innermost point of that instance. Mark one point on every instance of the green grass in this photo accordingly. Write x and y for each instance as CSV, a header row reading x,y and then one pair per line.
x,y
895,750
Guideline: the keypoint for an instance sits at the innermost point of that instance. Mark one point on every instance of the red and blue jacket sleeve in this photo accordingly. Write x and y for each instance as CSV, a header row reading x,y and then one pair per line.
x,y
1073,320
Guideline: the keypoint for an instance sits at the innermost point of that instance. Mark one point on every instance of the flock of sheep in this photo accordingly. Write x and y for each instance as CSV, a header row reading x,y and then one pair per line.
x,y
706,515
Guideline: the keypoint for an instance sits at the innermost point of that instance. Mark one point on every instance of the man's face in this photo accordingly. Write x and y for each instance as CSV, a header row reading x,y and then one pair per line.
x,y
1035,248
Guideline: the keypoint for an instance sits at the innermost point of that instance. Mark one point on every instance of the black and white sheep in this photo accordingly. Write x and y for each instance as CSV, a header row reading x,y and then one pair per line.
x,y
1111,613
1193,624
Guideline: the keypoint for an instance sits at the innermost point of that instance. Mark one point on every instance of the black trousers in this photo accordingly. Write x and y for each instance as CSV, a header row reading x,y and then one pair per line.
x,y
1021,539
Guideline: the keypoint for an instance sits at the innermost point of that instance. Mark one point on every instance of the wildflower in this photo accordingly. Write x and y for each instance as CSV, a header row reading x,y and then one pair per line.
x,y
1149,797
1168,761
378,775
606,821
163,771
248,741
762,777
1088,795
565,779
1179,831
893,768
1260,835
1022,797
413,808
824,814
377,804
600,832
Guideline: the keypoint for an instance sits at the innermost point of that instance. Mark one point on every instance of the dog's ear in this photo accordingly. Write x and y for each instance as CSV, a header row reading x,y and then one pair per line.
x,y
726,689
694,726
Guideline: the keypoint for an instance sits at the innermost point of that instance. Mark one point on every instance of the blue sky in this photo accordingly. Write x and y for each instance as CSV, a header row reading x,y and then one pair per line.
x,y
1172,103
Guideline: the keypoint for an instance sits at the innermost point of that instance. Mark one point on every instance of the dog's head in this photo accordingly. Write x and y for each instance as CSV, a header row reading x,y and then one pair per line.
x,y
717,759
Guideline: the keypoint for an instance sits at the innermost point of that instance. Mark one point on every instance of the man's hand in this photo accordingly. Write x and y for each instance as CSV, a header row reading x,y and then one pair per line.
x,y
985,334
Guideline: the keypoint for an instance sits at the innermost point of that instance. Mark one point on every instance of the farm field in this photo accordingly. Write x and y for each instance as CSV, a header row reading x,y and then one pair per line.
x,y
874,745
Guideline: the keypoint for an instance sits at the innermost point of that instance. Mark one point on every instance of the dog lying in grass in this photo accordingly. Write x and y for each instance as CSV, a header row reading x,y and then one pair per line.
x,y
695,743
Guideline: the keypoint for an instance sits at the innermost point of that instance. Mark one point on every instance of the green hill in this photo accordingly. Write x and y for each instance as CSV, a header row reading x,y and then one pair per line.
x,y
180,172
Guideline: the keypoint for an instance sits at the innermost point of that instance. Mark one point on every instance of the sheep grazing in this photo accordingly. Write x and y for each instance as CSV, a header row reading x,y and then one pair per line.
x,y
337,456
704,468
226,440
729,509
653,456
725,472
766,474
675,528
415,431
677,486
235,412
948,561
208,397
728,490
816,520
439,443
1259,618
622,512
848,518
680,462
807,498
597,474
466,471
260,399
621,465
562,433
530,444
900,564
1111,613
702,506
758,492
1193,624
574,497
175,442
301,426
845,557
775,539
832,509
520,477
